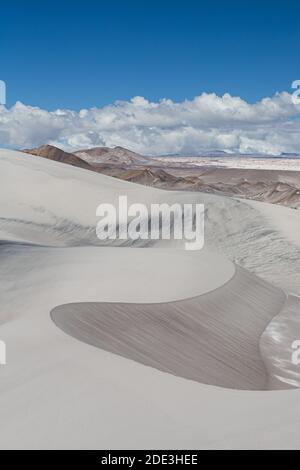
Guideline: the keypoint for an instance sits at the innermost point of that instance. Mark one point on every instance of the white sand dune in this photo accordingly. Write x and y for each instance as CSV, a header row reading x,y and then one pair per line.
x,y
57,392
285,219
53,204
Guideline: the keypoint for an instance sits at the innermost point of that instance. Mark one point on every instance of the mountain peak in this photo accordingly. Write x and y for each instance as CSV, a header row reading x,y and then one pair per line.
x,y
115,155
56,154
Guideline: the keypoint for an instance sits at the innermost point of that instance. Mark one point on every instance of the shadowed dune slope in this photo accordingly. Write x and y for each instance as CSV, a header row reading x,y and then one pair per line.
x,y
212,338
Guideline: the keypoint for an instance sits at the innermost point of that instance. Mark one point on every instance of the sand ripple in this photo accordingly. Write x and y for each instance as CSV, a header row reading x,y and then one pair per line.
x,y
212,338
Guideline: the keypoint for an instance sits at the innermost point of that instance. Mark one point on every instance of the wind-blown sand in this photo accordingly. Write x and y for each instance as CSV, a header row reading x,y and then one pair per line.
x,y
212,338
286,220
57,392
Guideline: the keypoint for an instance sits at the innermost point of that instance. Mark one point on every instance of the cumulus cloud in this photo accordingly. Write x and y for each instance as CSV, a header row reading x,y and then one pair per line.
x,y
207,122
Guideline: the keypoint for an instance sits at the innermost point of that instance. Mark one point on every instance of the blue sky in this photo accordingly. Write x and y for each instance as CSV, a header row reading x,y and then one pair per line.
x,y
79,54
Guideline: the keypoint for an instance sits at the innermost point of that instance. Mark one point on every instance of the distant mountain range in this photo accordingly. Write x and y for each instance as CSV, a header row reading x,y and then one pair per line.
x,y
222,153
85,158
274,186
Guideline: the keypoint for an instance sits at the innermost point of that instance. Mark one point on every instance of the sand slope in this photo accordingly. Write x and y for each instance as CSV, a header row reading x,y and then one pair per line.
x,y
50,203
212,338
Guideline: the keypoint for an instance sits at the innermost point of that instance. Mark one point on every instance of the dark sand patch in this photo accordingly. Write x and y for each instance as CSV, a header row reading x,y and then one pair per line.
x,y
212,338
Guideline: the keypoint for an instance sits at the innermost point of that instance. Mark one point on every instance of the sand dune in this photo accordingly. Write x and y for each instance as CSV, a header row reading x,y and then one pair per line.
x,y
57,392
48,203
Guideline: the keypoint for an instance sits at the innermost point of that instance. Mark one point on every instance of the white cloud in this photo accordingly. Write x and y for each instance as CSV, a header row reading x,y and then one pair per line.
x,y
207,122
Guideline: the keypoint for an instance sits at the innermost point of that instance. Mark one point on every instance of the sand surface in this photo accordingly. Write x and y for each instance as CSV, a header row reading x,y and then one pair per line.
x,y
58,392
212,338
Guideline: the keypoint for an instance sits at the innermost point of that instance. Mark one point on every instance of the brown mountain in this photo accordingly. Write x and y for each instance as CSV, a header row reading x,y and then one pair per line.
x,y
58,155
114,156
147,176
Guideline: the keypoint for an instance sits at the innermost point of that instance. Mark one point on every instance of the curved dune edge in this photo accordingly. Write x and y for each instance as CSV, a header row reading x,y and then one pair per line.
x,y
212,338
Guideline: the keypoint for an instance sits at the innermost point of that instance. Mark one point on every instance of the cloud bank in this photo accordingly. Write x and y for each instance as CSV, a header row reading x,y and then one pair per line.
x,y
207,122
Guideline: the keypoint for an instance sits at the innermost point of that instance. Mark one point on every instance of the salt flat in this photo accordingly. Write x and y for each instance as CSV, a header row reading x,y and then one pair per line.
x,y
238,161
